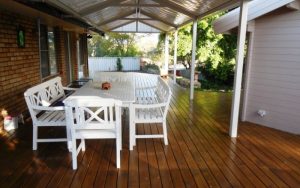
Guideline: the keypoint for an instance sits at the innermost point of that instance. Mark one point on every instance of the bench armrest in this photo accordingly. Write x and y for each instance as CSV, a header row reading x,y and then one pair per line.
x,y
48,108
70,89
145,106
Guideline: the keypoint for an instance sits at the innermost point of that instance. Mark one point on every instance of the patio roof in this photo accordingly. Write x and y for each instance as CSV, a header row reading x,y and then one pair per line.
x,y
162,15
257,8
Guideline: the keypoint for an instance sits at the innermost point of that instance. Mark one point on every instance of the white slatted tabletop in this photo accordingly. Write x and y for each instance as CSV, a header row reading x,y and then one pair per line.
x,y
123,91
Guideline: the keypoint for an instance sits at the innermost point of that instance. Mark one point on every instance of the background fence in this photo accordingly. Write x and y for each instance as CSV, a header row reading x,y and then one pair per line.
x,y
110,64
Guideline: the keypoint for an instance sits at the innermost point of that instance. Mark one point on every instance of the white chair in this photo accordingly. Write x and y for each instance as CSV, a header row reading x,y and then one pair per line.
x,y
93,118
150,109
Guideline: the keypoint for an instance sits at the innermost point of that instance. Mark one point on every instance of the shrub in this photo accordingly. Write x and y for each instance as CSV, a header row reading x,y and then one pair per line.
x,y
119,64
151,68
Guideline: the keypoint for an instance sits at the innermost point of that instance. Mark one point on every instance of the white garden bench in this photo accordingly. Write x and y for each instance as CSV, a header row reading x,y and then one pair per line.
x,y
40,100
151,106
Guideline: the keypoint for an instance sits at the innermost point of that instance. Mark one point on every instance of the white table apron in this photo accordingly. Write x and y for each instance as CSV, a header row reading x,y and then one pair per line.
x,y
123,91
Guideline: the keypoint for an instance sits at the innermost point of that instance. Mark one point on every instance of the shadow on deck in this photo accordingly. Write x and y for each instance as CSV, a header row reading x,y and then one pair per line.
x,y
200,153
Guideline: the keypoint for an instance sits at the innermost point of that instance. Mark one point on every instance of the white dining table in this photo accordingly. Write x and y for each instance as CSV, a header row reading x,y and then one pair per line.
x,y
123,91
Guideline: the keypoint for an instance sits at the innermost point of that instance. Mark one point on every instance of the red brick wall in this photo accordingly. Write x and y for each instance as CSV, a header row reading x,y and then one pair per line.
x,y
19,67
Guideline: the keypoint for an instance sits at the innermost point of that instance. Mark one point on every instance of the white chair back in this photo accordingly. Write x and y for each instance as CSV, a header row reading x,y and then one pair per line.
x,y
94,113
92,118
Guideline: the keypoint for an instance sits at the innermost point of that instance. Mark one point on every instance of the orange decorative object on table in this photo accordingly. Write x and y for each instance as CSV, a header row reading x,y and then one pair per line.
x,y
106,85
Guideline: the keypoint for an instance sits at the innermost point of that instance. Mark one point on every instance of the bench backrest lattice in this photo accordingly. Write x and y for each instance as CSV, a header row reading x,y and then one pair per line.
x,y
43,95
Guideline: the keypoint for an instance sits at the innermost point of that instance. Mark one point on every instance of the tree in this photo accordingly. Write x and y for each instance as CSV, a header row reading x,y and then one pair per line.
x,y
184,46
215,53
113,44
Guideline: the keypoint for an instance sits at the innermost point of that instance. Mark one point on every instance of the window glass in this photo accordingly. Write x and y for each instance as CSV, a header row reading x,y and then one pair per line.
x,y
52,55
47,51
44,64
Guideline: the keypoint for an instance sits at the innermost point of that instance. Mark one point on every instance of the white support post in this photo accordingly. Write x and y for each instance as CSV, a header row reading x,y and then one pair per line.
x,y
166,67
239,68
175,55
193,59
247,74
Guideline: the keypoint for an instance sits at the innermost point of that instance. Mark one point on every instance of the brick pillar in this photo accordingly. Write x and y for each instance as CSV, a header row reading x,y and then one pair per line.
x,y
74,61
60,54
84,49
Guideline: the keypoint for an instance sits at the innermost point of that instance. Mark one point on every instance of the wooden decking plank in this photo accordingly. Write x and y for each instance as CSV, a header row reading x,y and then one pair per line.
x,y
144,175
25,173
188,178
200,162
247,158
244,168
268,142
172,163
187,146
240,170
32,170
286,174
83,166
203,117
248,171
11,147
155,178
123,171
164,172
230,177
133,180
123,174
92,170
103,167
270,174
52,162
112,174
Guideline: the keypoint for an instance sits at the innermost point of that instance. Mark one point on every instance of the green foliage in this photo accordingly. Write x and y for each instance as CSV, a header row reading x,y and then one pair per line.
x,y
184,45
113,44
119,64
151,68
215,53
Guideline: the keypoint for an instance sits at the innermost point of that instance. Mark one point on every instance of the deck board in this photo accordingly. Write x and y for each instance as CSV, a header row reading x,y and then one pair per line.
x,y
200,153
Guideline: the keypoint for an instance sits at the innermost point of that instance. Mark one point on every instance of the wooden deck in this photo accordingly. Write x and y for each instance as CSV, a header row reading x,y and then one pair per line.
x,y
200,154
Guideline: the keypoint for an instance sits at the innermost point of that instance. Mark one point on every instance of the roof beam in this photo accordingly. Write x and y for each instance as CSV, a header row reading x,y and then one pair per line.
x,y
137,19
151,25
118,17
120,25
137,5
99,6
227,5
159,19
176,8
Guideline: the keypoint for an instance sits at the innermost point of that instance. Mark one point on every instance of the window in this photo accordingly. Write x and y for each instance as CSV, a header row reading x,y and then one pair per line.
x,y
47,51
